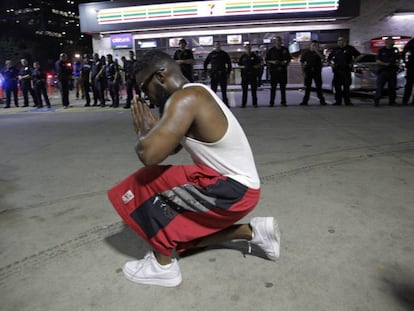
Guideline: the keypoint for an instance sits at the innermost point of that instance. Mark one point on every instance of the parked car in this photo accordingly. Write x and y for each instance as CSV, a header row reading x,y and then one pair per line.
x,y
363,74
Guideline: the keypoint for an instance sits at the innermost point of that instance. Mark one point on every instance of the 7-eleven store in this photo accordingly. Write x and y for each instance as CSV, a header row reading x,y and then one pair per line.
x,y
118,27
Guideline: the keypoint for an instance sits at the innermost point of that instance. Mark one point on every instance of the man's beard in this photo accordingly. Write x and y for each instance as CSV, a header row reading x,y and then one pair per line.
x,y
161,98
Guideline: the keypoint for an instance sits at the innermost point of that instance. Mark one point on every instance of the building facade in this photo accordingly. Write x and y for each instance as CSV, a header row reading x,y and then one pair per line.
x,y
40,30
234,23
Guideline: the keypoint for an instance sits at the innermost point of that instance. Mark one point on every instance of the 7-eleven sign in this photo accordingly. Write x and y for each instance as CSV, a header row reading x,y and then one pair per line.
x,y
211,8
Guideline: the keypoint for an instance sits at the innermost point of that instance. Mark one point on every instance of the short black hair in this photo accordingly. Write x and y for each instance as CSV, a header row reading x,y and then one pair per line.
x,y
151,61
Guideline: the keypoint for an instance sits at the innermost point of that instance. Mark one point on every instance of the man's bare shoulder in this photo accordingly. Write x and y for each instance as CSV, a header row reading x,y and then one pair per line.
x,y
198,109
193,96
192,92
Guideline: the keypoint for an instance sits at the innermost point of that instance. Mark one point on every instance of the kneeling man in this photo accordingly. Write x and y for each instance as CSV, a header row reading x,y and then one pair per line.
x,y
177,208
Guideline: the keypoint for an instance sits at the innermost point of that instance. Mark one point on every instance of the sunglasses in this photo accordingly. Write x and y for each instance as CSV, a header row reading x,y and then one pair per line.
x,y
144,85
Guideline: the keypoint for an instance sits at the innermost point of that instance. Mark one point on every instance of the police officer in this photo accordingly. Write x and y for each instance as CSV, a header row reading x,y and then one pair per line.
x,y
39,83
26,83
10,74
85,72
250,64
388,60
98,79
95,69
112,78
185,58
77,66
131,83
64,75
277,60
408,54
311,62
341,60
220,69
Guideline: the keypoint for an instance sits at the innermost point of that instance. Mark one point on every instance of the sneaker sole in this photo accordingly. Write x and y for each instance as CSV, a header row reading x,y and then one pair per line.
x,y
160,282
277,233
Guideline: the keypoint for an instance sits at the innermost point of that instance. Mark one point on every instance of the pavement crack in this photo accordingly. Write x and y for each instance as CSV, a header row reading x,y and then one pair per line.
x,y
94,234
367,155
51,202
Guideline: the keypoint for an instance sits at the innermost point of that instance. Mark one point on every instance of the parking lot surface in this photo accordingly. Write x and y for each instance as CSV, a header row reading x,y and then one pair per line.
x,y
339,180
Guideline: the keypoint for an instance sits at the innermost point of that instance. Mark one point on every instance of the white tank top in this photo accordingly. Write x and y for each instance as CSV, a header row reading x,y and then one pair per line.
x,y
231,156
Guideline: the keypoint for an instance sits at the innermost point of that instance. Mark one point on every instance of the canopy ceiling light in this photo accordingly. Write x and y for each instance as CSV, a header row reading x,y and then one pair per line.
x,y
403,15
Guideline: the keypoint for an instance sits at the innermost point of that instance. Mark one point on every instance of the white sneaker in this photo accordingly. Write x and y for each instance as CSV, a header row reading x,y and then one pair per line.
x,y
149,271
266,235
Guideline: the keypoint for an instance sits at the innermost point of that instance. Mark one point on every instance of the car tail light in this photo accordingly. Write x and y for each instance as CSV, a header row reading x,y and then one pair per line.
x,y
359,69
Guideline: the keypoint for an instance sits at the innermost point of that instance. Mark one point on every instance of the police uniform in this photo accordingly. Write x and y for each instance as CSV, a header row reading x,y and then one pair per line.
x,y
130,82
84,77
278,72
26,85
387,73
98,82
250,63
220,70
112,73
39,82
64,74
10,85
186,69
312,67
77,66
342,59
95,68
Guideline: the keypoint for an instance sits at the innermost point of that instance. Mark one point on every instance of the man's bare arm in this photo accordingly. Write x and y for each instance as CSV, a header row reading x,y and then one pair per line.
x,y
164,137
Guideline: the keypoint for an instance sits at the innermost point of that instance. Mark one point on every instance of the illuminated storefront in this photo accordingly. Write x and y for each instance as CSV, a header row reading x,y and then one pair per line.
x,y
232,22
399,42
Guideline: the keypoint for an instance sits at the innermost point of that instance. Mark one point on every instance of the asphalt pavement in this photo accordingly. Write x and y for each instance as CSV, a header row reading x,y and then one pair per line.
x,y
339,180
